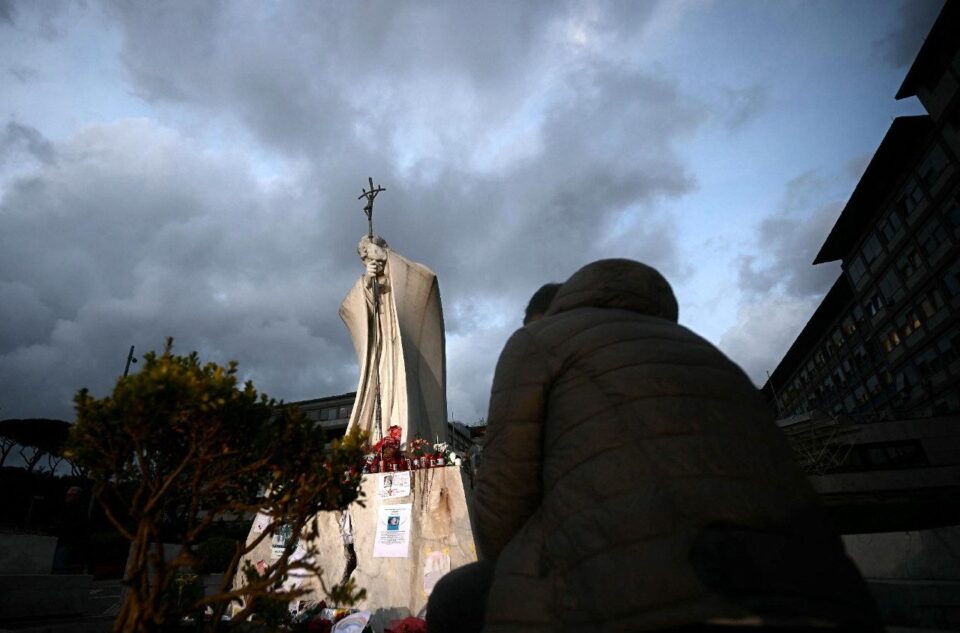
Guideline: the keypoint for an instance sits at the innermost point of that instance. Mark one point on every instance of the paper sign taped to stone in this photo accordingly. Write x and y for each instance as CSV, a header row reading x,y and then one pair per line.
x,y
394,485
280,539
393,531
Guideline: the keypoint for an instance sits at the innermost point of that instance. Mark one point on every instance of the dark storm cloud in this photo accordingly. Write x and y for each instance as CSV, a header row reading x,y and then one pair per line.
x,y
46,18
513,150
899,46
133,234
17,140
7,11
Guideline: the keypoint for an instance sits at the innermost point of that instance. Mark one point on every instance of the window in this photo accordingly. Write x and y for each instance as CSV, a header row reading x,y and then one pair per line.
x,y
848,326
860,356
907,381
933,165
871,249
849,403
890,286
947,405
837,338
909,322
839,378
828,387
909,263
931,236
910,197
857,269
946,351
819,359
952,280
952,214
889,227
889,339
873,385
860,393
874,305
344,412
928,362
931,302
884,455
329,413
857,315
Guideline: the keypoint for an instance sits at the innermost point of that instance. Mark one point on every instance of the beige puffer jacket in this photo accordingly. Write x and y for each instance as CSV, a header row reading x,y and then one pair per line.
x,y
633,479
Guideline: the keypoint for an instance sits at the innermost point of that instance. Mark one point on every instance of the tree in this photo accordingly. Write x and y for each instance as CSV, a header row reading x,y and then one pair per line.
x,y
181,438
37,438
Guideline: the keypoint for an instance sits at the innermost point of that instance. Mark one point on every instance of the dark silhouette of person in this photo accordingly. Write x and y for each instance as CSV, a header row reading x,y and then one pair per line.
x,y
634,480
72,529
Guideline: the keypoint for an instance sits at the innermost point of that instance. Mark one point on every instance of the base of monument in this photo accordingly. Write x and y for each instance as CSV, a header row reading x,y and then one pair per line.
x,y
397,560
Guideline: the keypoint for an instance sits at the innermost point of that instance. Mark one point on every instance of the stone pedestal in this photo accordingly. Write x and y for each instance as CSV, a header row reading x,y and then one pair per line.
x,y
440,523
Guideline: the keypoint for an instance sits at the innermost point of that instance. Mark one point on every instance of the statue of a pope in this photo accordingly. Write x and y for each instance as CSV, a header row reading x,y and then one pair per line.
x,y
399,340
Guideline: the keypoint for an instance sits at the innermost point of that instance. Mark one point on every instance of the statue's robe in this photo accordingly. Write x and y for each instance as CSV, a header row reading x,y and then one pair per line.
x,y
410,338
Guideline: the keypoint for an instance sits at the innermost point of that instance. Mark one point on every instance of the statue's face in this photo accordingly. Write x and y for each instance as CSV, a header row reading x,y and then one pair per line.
x,y
373,257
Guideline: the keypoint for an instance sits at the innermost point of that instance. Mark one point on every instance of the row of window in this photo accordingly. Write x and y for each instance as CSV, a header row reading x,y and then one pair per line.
x,y
883,456
932,242
928,246
909,384
910,320
890,227
331,413
930,306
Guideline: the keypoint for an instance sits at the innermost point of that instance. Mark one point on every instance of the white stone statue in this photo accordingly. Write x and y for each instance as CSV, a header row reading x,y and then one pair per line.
x,y
395,319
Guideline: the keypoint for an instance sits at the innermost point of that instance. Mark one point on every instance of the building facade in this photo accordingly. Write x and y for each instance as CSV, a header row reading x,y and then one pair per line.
x,y
868,395
332,413
885,341
464,437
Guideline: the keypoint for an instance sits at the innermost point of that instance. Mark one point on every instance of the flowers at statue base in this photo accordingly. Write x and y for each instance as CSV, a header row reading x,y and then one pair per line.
x,y
418,447
389,455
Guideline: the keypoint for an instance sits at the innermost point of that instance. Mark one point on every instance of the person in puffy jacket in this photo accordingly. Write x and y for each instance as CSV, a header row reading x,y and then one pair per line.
x,y
634,480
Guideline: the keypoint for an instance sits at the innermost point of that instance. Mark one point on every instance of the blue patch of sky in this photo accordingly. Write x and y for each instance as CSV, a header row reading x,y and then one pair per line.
x,y
78,80
827,100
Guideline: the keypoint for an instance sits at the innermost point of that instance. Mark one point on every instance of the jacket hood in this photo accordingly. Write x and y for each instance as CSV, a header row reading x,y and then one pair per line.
x,y
621,284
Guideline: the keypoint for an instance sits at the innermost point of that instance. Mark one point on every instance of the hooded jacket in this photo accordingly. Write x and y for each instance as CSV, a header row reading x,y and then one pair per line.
x,y
633,479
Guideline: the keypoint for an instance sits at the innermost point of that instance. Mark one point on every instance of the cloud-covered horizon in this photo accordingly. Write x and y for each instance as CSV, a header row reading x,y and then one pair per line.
x,y
201,181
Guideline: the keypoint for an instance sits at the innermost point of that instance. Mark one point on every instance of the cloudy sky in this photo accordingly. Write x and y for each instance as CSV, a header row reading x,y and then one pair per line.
x,y
192,169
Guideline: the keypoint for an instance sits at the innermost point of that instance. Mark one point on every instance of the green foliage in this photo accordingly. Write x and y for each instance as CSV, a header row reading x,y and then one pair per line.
x,y
181,443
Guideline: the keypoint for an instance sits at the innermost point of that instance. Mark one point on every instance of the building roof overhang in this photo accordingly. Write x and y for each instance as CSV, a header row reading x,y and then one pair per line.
x,y
900,147
937,51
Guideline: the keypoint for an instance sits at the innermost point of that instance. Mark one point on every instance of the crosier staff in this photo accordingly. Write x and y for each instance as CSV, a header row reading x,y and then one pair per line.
x,y
370,195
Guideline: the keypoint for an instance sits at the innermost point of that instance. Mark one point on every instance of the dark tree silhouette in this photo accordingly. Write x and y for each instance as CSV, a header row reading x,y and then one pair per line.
x,y
37,438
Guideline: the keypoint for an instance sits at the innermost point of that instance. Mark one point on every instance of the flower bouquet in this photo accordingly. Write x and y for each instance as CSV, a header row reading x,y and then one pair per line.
x,y
418,449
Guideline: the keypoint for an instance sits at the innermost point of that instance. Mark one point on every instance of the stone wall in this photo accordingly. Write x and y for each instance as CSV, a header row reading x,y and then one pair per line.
x,y
26,553
440,525
914,575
